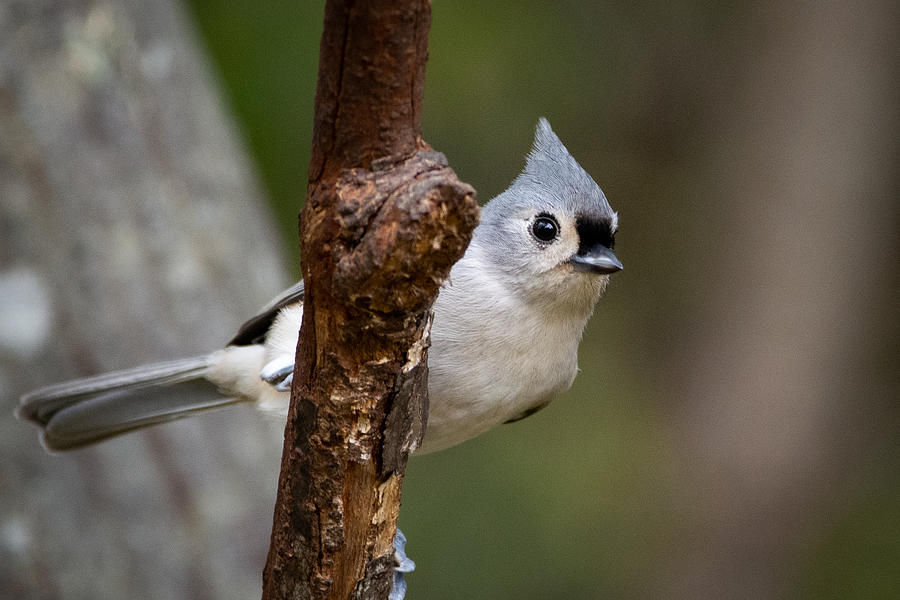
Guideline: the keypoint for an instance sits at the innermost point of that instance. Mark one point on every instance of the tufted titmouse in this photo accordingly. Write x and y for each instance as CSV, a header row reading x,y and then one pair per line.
x,y
504,339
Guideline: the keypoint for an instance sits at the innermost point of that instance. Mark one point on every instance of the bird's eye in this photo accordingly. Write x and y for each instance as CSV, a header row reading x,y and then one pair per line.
x,y
545,228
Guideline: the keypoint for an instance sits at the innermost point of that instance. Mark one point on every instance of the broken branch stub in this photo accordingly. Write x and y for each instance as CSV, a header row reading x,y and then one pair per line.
x,y
377,244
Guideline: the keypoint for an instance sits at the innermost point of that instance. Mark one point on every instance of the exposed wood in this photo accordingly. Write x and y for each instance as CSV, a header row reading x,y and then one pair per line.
x,y
384,221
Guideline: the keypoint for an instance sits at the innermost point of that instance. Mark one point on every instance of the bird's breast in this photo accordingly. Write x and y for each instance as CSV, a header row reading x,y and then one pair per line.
x,y
485,372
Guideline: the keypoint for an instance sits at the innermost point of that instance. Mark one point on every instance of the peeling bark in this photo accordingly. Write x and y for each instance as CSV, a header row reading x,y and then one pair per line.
x,y
384,221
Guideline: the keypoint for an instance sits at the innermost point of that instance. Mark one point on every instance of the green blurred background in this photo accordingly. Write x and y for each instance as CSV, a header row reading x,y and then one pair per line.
x,y
733,428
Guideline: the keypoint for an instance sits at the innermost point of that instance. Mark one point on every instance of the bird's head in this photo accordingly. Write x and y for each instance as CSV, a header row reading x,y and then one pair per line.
x,y
551,234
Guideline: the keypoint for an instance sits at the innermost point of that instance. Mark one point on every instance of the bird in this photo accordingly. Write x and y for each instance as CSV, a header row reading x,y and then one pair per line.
x,y
506,326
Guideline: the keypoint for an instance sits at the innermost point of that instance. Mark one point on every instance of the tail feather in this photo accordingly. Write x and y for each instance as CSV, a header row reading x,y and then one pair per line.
x,y
80,412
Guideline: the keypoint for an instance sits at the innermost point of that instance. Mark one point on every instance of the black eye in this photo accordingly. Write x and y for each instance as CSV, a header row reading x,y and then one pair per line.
x,y
545,228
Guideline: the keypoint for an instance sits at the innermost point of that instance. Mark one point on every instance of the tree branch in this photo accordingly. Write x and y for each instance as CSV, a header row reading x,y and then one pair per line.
x,y
385,219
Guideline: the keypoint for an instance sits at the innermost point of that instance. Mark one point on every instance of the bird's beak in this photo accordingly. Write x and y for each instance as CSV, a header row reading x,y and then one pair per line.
x,y
598,259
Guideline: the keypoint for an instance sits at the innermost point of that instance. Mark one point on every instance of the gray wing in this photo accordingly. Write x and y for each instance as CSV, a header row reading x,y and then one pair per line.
x,y
528,412
253,331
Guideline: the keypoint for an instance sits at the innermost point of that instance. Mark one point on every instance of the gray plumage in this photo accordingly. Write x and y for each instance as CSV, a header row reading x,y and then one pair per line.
x,y
505,337
88,410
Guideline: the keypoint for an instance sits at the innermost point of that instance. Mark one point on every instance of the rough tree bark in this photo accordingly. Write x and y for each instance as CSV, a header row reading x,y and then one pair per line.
x,y
384,221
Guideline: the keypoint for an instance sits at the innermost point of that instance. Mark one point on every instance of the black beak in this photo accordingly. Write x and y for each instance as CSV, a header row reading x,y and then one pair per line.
x,y
598,259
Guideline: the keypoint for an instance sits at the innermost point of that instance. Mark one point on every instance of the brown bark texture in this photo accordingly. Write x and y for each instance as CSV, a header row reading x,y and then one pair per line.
x,y
384,221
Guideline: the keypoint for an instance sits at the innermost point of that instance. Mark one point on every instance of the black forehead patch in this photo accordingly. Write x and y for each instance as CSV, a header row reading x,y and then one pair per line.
x,y
594,232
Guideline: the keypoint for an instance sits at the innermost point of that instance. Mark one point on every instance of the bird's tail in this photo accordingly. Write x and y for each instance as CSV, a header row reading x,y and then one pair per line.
x,y
80,412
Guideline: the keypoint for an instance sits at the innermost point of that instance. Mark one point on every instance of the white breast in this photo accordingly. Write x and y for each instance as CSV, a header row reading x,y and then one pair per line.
x,y
493,357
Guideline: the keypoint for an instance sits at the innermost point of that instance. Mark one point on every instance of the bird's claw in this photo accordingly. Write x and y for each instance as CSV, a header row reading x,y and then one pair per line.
x,y
279,373
403,564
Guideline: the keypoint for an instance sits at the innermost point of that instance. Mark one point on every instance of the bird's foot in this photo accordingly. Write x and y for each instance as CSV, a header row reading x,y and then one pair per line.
x,y
279,373
403,565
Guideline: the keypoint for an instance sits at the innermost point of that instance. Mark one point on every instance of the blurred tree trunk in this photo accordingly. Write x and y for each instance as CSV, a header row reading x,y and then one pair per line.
x,y
131,230
771,375
385,220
